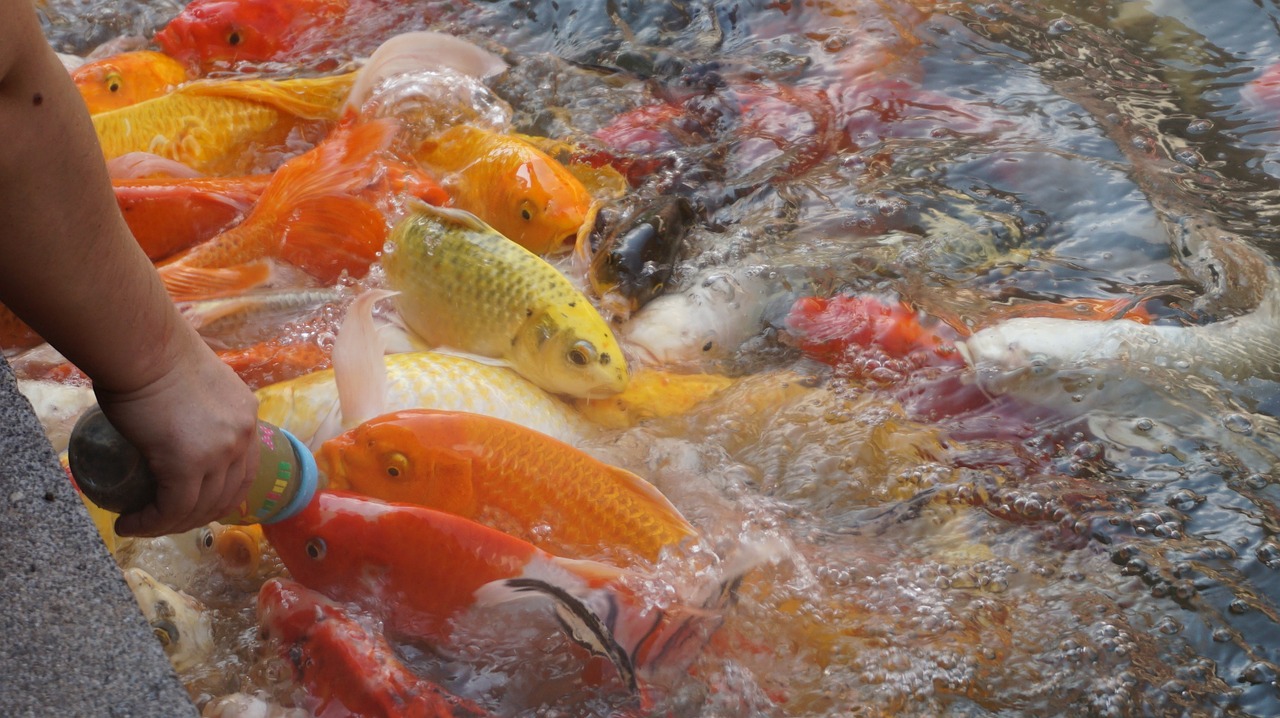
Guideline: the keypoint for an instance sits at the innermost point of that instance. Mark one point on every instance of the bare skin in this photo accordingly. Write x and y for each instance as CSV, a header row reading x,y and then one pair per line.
x,y
70,268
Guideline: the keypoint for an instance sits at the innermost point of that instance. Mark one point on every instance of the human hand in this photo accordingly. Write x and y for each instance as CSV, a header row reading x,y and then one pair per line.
x,y
195,424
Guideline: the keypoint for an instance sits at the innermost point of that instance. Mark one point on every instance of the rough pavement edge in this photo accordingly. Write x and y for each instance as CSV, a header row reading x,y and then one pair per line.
x,y
72,640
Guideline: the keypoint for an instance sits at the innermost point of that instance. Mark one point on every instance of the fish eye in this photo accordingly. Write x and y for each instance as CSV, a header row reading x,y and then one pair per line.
x,y
205,539
316,548
113,82
233,38
166,632
582,353
397,464
526,210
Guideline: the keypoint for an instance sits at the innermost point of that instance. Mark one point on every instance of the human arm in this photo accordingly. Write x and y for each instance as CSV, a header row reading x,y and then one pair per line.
x,y
70,268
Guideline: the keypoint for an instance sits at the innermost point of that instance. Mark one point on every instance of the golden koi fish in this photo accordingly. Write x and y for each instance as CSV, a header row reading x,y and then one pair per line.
x,y
210,124
462,284
509,183
505,476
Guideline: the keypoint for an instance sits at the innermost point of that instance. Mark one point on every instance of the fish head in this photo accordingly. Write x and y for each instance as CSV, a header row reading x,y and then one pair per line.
x,y
179,621
287,610
223,32
334,544
414,456
544,206
127,78
1039,357
571,350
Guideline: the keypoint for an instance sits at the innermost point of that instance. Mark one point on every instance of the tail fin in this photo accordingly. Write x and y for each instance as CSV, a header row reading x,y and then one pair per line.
x,y
329,230
186,283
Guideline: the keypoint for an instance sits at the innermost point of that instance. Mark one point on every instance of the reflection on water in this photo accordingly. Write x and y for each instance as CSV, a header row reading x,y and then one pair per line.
x,y
1105,544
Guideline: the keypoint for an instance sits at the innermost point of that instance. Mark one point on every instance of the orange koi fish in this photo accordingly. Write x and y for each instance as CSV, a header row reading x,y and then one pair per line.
x,y
344,667
826,330
418,569
211,125
321,212
506,476
127,78
209,34
512,185
168,215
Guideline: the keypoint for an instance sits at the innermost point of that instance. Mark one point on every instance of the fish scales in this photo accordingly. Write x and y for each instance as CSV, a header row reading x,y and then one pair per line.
x,y
463,285
308,406
508,477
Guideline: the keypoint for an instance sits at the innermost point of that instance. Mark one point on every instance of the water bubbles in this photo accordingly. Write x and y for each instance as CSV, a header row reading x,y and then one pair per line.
x,y
1238,423
1061,26
1184,500
1143,425
1259,672
1199,127
1188,157
1268,553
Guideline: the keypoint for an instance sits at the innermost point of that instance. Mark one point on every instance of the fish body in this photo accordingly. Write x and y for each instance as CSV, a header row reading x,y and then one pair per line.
x,y
210,125
1034,355
510,184
127,78
322,212
506,476
168,215
179,621
830,329
308,406
652,394
212,34
462,284
419,569
710,320
339,660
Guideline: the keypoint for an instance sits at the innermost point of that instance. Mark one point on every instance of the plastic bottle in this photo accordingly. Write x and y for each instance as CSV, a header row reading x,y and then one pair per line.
x,y
113,474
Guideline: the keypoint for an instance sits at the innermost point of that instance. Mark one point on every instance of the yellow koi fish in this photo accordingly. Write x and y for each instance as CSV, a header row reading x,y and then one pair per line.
x,y
127,78
210,125
463,285
509,183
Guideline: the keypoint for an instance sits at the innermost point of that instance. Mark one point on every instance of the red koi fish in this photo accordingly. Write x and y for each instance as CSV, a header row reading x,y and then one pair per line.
x,y
418,569
212,33
828,329
168,215
323,212
347,669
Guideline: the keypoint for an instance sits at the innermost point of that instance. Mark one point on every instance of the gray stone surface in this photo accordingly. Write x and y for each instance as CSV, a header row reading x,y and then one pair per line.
x,y
72,640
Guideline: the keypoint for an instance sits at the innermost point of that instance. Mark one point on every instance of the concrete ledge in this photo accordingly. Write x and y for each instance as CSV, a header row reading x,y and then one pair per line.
x,y
72,640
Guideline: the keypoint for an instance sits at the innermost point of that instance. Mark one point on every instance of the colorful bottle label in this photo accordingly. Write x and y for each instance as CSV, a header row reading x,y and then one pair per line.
x,y
274,485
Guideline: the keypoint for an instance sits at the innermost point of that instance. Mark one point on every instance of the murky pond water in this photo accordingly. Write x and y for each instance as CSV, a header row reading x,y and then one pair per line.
x,y
1101,541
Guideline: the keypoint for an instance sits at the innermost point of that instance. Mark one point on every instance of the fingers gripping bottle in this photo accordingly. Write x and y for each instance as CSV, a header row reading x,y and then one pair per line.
x,y
114,475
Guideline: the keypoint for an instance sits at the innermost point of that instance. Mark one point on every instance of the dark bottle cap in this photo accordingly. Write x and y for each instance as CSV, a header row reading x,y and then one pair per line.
x,y
106,467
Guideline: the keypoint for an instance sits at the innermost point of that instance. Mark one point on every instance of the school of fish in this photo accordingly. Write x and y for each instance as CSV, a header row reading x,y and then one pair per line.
x,y
495,309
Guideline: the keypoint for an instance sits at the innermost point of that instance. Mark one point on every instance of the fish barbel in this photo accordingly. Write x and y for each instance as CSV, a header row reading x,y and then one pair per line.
x,y
506,476
510,184
127,78
308,406
210,125
463,285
